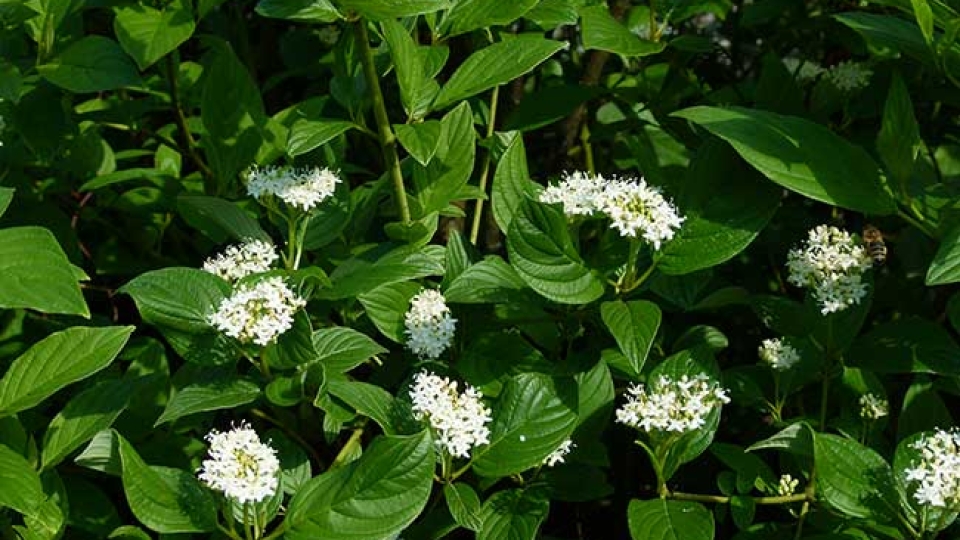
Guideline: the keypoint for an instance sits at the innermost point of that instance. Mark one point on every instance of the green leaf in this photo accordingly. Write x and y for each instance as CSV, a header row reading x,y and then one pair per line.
x,y
232,113
543,254
368,271
634,325
495,65
421,140
489,281
549,14
329,220
22,490
222,393
443,180
177,298
375,496
924,15
306,135
409,68
534,414
945,267
367,399
604,33
513,514
91,64
469,15
923,409
511,183
663,519
386,306
890,31
165,500
35,273
464,505
909,345
85,415
293,348
726,205
6,195
341,349
219,219
800,155
853,479
899,139
148,34
378,10
59,359
310,11
795,439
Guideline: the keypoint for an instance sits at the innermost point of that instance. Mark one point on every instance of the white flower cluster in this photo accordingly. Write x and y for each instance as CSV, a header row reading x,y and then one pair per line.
x,y
872,407
241,466
303,188
938,472
805,70
429,325
241,260
578,192
788,485
259,312
635,208
672,404
778,355
459,421
832,263
561,452
849,76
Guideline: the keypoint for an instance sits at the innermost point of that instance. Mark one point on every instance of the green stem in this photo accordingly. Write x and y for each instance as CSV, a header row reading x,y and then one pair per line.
x,y
348,448
211,187
922,227
587,149
654,30
722,499
388,141
478,206
232,534
824,389
276,532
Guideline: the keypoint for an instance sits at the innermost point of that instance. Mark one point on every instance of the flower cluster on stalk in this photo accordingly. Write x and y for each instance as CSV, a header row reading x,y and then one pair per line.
x,y
831,263
302,188
240,465
778,355
937,473
242,260
787,485
259,312
873,407
429,325
672,405
458,420
635,208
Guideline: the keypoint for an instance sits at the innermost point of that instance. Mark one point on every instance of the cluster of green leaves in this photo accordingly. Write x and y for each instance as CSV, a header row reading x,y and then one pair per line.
x,y
128,127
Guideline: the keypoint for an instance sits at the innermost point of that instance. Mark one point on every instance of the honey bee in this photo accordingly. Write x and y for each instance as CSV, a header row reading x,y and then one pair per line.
x,y
873,241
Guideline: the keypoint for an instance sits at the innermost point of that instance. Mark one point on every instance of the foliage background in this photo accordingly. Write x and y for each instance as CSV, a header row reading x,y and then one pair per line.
x,y
128,125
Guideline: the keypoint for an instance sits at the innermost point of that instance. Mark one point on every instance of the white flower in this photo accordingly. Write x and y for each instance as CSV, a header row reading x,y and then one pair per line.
x,y
579,192
778,355
239,261
302,188
643,30
429,325
849,76
872,407
938,471
788,485
679,405
257,313
241,466
831,263
560,453
459,421
637,209
805,70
